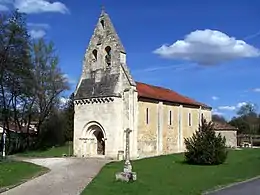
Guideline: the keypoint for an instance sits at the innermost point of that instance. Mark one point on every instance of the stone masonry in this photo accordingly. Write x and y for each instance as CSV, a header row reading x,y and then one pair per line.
x,y
108,101
105,97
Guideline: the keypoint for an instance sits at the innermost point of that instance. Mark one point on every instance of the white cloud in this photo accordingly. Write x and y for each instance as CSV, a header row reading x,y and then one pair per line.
x,y
232,108
240,104
229,108
36,34
215,97
208,47
40,6
216,112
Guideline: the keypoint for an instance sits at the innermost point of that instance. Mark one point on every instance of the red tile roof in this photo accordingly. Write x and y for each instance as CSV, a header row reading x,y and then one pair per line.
x,y
163,94
218,126
15,128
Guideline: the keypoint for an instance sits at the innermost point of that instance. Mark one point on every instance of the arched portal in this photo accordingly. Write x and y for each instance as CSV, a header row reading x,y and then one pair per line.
x,y
100,140
95,136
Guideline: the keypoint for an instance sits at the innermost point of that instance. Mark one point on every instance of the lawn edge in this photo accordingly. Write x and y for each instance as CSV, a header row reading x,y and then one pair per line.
x,y
38,174
222,187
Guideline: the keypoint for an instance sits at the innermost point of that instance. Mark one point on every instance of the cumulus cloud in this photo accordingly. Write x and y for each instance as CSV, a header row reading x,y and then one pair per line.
x,y
240,104
229,108
216,112
35,6
232,108
208,47
37,30
215,97
37,34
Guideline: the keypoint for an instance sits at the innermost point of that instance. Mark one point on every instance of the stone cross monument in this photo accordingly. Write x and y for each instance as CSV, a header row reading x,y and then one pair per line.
x,y
127,175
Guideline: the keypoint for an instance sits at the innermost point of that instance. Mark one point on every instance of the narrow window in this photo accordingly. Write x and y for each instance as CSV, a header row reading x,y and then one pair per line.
x,y
147,116
170,117
202,117
102,23
94,52
189,119
108,55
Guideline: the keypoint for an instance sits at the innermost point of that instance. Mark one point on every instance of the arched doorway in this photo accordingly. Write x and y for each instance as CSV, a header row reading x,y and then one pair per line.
x,y
95,144
100,140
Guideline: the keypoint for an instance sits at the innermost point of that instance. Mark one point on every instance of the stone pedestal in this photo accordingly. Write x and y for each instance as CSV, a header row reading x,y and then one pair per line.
x,y
127,177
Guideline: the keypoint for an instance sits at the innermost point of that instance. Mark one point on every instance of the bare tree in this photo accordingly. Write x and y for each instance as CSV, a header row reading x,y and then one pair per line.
x,y
49,80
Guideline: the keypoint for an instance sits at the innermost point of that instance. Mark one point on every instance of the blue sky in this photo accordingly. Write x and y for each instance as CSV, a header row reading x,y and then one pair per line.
x,y
203,57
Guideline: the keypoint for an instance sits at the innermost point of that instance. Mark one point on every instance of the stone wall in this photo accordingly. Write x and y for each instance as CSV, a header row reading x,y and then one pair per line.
x,y
106,94
160,136
147,132
231,137
99,113
170,128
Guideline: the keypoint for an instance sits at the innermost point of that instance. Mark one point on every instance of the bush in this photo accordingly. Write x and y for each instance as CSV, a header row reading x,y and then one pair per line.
x,y
205,147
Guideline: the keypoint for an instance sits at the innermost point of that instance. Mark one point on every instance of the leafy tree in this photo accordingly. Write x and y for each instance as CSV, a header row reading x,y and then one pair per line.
x,y
218,118
205,147
52,133
247,114
242,125
69,118
30,80
15,67
50,82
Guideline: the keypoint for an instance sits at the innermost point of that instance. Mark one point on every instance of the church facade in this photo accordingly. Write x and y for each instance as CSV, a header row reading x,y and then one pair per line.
x,y
108,101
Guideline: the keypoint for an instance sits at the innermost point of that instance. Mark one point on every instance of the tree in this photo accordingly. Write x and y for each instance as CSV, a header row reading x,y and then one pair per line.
x,y
69,118
242,125
247,114
30,80
218,118
15,66
205,147
50,82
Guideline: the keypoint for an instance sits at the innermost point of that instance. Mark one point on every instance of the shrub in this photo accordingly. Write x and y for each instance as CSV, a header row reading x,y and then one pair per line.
x,y
205,147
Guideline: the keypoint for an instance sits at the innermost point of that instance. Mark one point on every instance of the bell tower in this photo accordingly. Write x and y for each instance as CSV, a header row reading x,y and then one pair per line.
x,y
104,59
105,96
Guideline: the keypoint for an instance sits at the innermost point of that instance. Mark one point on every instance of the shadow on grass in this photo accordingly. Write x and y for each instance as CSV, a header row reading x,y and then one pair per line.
x,y
186,163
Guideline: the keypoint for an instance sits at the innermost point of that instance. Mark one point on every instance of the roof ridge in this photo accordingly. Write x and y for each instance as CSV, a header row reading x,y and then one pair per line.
x,y
165,94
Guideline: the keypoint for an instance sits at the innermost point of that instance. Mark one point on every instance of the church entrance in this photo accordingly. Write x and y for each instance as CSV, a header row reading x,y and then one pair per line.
x,y
95,144
100,142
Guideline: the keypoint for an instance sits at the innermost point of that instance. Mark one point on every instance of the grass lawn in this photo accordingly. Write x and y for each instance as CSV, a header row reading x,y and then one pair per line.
x,y
50,152
15,172
168,175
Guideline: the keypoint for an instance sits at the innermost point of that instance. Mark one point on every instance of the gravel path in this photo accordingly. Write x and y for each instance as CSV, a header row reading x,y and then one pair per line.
x,y
68,176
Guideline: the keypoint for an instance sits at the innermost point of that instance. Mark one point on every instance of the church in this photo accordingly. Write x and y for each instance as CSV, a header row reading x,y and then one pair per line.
x,y
113,111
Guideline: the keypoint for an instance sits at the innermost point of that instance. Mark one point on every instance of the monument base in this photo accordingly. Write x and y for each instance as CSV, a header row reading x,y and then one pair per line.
x,y
126,176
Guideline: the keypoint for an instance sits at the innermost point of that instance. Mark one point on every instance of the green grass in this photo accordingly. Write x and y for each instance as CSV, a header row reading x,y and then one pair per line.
x,y
15,172
169,175
50,152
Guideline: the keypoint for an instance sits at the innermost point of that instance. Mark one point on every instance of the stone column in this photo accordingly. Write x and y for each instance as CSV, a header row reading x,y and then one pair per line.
x,y
127,166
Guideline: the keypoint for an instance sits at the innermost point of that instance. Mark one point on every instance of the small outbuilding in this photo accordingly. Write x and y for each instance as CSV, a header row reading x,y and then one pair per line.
x,y
228,131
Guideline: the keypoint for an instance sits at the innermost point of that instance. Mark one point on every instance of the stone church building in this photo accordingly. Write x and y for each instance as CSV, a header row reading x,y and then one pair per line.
x,y
108,101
